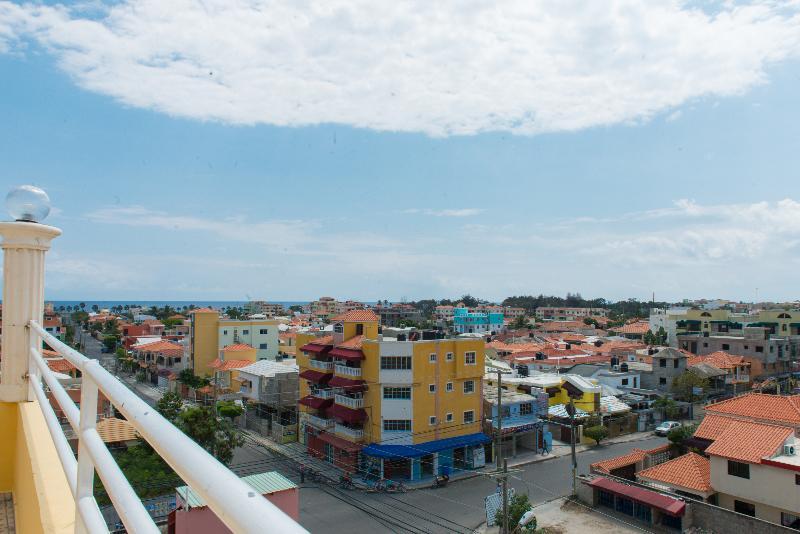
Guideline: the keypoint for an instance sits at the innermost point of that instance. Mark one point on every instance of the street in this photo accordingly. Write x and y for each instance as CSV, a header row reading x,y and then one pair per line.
x,y
457,508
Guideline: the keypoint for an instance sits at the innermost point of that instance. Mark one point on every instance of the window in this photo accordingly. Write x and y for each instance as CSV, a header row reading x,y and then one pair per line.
x,y
338,328
526,408
432,357
224,332
662,362
262,346
263,331
396,393
675,363
790,520
449,418
449,357
738,469
432,388
245,332
359,329
469,386
606,499
662,381
797,480
469,417
390,363
469,358
705,344
449,387
745,508
432,420
624,381
759,348
397,425
726,346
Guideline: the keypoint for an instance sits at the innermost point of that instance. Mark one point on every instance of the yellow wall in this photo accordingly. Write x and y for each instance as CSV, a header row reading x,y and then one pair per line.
x,y
205,347
370,329
31,470
370,373
302,362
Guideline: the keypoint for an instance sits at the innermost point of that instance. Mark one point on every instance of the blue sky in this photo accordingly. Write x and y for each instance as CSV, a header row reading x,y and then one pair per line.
x,y
665,169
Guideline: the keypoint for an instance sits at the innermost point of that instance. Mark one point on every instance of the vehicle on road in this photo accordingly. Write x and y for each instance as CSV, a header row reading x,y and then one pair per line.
x,y
440,481
664,428
390,486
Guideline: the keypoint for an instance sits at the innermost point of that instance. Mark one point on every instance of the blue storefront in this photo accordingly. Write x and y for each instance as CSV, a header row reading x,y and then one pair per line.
x,y
423,460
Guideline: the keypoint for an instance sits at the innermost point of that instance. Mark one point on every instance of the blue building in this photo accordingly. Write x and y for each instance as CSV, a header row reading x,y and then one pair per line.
x,y
476,322
522,427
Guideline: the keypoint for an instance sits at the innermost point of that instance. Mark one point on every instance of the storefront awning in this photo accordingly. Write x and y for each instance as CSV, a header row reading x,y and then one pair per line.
x,y
669,505
347,384
317,377
415,451
347,354
347,415
315,402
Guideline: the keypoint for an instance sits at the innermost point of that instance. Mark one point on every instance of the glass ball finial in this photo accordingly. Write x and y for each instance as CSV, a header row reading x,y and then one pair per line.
x,y
28,203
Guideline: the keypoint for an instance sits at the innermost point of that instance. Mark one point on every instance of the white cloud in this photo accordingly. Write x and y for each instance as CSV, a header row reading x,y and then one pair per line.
x,y
436,67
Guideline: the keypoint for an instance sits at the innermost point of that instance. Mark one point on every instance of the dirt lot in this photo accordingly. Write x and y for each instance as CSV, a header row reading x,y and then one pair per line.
x,y
562,517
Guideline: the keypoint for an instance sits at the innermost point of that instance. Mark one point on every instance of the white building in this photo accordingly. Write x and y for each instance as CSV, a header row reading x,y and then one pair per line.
x,y
667,319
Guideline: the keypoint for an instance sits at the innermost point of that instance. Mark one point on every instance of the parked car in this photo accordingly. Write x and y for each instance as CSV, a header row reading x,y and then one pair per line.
x,y
664,428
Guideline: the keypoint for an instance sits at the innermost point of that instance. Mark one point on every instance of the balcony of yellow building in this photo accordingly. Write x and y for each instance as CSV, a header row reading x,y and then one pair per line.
x,y
45,486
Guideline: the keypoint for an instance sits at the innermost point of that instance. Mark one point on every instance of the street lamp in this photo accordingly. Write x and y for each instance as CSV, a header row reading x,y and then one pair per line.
x,y
28,203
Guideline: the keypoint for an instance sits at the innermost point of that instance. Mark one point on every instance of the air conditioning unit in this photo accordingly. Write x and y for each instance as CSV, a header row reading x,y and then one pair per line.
x,y
788,450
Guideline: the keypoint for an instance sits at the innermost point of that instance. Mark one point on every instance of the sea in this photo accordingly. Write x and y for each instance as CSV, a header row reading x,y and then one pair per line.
x,y
177,304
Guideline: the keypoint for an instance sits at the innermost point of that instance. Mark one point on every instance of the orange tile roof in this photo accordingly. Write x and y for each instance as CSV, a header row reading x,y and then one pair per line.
x,y
640,327
164,347
238,347
47,353
203,310
761,407
356,315
113,430
606,466
354,343
749,442
690,471
712,426
60,365
228,365
719,359
515,347
324,340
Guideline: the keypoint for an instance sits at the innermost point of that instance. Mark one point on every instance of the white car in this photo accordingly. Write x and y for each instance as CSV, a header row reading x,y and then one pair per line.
x,y
664,428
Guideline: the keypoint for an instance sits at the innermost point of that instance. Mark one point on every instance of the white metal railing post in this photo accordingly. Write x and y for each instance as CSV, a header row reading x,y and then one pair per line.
x,y
24,246
88,423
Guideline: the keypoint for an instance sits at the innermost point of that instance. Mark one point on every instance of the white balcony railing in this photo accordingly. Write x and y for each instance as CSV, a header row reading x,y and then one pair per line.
x,y
322,366
352,433
348,371
324,393
320,422
25,374
350,402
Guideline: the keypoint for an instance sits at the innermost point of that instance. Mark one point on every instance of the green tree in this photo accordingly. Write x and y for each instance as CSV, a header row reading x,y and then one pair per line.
x,y
110,342
229,409
597,433
147,473
684,384
189,379
216,435
669,408
470,301
661,336
517,506
520,323
649,338
678,436
170,406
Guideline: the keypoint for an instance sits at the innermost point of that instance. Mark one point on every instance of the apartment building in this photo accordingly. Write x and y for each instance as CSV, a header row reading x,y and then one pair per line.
x,y
476,322
551,313
210,334
388,407
394,315
265,308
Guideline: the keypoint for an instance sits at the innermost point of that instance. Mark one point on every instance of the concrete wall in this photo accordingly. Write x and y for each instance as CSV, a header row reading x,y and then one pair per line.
x,y
716,519
770,489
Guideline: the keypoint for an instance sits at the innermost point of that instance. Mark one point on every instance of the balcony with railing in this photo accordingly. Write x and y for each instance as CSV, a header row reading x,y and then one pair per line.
x,y
320,365
353,434
320,422
350,372
53,491
350,402
324,393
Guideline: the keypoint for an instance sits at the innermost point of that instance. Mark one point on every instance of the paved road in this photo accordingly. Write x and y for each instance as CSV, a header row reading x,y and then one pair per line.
x,y
457,508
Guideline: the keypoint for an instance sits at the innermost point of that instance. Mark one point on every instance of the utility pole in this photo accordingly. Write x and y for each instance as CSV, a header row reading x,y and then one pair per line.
x,y
504,526
499,441
572,443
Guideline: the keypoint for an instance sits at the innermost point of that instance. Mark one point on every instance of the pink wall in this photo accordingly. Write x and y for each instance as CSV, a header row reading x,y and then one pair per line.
x,y
204,521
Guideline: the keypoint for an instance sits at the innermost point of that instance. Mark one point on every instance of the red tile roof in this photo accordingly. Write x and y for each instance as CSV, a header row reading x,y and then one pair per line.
x,y
640,327
324,340
161,346
228,365
690,471
356,316
203,310
749,442
354,343
238,347
636,455
60,365
712,426
761,407
719,359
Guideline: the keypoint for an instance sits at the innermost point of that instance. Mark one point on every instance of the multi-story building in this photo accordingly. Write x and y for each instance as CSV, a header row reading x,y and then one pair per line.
x,y
510,312
348,305
324,308
552,313
668,320
391,408
444,313
395,314
522,420
265,308
211,333
469,322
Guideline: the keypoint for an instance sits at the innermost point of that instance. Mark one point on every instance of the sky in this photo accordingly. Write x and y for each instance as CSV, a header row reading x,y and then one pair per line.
x,y
287,150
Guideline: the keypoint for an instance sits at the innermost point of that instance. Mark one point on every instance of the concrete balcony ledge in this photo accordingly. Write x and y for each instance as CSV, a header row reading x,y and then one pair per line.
x,y
324,393
320,422
350,402
322,366
347,432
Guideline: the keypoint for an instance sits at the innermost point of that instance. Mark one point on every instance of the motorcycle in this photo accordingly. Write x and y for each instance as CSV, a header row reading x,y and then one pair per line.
x,y
440,481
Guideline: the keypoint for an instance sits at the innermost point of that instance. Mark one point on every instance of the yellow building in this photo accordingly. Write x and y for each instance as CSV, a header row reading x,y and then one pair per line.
x,y
210,334
777,322
391,408
586,393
